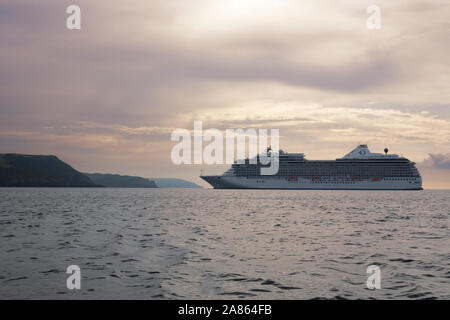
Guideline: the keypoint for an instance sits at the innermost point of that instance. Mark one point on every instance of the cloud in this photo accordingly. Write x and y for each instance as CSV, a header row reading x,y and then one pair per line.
x,y
139,69
437,161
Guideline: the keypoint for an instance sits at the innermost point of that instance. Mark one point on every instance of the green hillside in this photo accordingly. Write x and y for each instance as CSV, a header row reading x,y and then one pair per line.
x,y
119,181
19,170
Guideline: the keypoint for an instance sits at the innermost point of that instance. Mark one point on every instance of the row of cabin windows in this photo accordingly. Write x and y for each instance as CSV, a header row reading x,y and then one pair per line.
x,y
321,174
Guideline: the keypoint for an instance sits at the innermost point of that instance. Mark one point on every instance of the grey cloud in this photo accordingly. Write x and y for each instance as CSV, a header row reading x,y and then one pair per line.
x,y
438,161
133,64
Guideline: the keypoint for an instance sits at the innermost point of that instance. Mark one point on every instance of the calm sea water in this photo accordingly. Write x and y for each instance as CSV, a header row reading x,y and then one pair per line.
x,y
223,244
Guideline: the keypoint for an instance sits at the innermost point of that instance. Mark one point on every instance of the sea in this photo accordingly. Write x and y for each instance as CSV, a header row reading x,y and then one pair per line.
x,y
223,244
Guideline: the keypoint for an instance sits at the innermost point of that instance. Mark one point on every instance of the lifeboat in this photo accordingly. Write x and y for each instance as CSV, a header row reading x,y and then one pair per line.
x,y
376,179
356,179
292,178
316,179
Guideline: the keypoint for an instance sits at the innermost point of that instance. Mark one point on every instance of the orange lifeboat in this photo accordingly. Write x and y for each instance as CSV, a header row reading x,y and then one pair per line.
x,y
292,178
376,179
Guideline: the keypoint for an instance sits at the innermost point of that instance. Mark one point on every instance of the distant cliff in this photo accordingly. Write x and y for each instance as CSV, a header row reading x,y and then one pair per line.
x,y
118,181
19,170
174,183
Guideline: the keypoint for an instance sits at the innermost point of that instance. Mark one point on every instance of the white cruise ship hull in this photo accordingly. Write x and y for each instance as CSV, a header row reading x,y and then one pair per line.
x,y
276,182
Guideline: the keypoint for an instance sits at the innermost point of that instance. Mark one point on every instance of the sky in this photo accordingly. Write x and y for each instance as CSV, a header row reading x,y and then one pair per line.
x,y
106,98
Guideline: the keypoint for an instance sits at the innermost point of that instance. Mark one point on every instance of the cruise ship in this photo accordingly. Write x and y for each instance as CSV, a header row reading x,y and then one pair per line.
x,y
358,170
